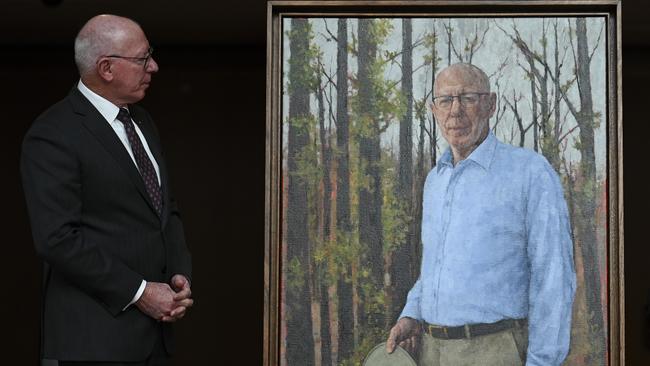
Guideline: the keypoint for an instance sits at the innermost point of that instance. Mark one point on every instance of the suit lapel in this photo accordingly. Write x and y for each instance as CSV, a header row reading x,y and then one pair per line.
x,y
98,126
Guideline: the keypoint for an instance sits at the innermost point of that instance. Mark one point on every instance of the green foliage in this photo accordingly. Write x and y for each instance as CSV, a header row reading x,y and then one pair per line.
x,y
564,88
468,45
308,170
529,75
353,46
428,58
302,73
386,103
380,29
370,337
364,126
295,279
577,144
394,215
362,179
421,108
390,55
543,41
342,254
597,118
389,101
588,191
430,40
302,124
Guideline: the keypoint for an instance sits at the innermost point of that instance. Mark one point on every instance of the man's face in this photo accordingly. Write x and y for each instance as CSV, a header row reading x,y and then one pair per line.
x,y
462,108
133,72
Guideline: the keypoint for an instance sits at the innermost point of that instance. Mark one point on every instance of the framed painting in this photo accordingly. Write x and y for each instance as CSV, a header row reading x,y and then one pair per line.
x,y
444,178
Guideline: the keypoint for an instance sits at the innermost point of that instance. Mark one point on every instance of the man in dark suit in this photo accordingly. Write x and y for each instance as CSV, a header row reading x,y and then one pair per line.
x,y
116,267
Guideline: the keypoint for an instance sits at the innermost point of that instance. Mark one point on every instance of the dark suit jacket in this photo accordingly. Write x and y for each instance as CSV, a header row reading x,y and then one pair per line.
x,y
97,232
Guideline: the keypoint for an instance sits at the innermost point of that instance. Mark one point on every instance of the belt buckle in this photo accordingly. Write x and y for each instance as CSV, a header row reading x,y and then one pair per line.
x,y
468,333
439,327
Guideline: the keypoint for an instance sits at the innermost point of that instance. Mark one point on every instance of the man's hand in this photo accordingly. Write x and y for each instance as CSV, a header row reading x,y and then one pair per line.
x,y
182,298
406,333
157,300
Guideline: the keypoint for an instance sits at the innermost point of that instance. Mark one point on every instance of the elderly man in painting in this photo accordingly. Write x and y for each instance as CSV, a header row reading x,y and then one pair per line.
x,y
497,280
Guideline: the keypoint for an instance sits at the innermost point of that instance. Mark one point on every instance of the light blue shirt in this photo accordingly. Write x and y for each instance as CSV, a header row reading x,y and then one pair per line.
x,y
497,245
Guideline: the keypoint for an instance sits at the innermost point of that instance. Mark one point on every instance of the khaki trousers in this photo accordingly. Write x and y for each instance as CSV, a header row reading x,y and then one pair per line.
x,y
504,348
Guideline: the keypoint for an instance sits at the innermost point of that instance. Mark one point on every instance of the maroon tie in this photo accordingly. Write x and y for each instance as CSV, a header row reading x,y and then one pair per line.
x,y
142,160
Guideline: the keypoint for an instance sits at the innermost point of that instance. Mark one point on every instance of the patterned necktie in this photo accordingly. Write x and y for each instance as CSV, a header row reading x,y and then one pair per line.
x,y
142,160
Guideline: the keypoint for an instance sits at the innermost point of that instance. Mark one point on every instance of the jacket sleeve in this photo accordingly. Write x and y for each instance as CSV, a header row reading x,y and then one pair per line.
x,y
51,176
180,259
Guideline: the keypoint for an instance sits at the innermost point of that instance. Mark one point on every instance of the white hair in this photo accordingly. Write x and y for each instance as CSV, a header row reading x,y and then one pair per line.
x,y
98,37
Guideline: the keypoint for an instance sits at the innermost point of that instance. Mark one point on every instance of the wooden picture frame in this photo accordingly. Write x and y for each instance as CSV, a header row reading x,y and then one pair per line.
x,y
522,37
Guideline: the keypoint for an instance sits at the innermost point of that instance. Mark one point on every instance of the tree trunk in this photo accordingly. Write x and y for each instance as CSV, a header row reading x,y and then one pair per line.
x,y
299,321
550,146
316,312
370,193
325,226
533,93
434,126
400,270
449,42
588,196
343,221
557,97
332,300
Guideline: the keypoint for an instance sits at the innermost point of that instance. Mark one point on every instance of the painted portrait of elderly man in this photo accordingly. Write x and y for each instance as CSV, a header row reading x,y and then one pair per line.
x,y
444,190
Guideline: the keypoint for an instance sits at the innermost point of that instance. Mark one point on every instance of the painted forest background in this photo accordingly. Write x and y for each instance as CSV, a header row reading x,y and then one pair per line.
x,y
359,139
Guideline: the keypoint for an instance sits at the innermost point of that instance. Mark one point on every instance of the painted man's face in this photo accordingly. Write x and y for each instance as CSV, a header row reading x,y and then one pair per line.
x,y
462,108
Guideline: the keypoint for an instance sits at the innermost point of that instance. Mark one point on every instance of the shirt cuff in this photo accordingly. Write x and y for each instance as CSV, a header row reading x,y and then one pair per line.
x,y
411,311
138,294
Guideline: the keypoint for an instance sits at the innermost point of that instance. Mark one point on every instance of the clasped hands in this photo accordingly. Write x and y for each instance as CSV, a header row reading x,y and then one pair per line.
x,y
165,303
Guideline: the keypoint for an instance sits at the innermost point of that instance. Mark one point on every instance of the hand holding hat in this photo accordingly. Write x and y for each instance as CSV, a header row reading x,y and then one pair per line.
x,y
406,333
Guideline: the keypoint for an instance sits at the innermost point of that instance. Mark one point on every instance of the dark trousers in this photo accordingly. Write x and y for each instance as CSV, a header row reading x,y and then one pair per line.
x,y
158,357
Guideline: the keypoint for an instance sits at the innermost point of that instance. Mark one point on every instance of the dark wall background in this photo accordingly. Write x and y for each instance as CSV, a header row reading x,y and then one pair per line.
x,y
209,103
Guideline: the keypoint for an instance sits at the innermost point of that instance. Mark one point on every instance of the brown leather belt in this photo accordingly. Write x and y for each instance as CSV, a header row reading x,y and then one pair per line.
x,y
471,330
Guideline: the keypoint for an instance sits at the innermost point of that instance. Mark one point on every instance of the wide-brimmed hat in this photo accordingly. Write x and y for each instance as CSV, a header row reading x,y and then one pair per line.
x,y
379,357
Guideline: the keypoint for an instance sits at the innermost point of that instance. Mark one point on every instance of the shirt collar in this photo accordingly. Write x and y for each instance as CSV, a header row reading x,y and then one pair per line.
x,y
107,109
482,155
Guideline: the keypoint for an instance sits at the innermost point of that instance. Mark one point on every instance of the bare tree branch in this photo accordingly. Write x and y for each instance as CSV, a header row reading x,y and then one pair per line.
x,y
329,77
474,49
600,33
332,36
568,133
450,42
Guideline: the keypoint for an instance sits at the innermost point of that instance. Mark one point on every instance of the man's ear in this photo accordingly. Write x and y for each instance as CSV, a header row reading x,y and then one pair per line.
x,y
104,69
433,109
492,104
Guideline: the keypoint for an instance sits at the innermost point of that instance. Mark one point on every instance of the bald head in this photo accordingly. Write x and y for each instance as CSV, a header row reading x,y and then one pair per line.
x,y
463,107
467,74
101,35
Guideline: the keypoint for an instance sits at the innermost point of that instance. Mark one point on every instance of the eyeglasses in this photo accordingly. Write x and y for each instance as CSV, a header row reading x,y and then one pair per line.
x,y
465,99
144,61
